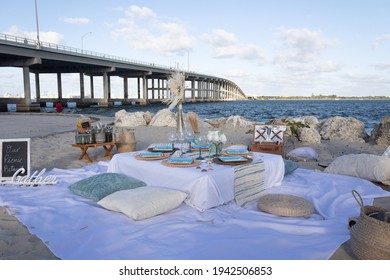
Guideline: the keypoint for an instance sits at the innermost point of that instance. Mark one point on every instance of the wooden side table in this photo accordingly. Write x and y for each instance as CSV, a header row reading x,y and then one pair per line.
x,y
108,146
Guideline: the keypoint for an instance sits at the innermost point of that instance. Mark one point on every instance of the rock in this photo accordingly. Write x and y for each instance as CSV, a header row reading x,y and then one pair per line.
x,y
148,117
230,122
164,117
309,135
348,129
310,121
381,133
287,132
125,119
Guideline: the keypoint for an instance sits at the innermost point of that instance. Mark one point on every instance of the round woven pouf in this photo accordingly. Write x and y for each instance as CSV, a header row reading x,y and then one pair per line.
x,y
285,205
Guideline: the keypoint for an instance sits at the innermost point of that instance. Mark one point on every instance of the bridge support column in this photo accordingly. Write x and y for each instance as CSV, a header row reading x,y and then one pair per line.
x,y
106,85
37,87
144,97
59,86
125,88
92,87
25,105
82,91
193,89
139,88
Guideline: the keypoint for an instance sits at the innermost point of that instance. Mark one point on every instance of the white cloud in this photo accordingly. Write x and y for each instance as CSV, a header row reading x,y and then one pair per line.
x,y
302,44
76,20
222,38
143,13
380,40
328,66
49,36
7,75
236,73
142,29
382,66
227,45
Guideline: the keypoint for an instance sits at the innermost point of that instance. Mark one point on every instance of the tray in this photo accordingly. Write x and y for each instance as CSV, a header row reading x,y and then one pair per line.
x,y
195,163
218,161
165,155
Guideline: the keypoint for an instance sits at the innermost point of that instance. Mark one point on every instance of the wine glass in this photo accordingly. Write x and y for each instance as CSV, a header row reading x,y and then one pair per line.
x,y
199,141
172,138
189,138
181,137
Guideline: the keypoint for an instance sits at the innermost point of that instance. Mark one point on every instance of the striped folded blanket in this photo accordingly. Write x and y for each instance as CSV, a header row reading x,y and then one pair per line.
x,y
248,182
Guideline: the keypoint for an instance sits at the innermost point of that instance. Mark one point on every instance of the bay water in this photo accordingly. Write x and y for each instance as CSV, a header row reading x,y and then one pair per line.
x,y
370,112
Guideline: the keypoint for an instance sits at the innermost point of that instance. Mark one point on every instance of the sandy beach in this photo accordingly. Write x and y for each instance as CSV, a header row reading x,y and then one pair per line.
x,y
51,138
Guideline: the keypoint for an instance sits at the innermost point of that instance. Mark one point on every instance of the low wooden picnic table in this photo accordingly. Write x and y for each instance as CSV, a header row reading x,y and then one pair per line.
x,y
108,146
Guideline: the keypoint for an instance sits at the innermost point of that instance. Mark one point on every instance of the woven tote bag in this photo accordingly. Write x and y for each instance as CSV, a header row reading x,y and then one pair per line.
x,y
370,237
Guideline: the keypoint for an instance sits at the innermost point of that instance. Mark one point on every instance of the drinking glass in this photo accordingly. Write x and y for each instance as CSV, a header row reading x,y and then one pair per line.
x,y
172,138
181,137
199,141
189,138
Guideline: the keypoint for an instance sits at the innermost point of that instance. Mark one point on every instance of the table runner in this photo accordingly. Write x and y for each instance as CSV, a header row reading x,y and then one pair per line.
x,y
248,182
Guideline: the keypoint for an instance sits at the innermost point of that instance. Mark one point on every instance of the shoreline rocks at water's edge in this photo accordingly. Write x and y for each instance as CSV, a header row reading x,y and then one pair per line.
x,y
306,129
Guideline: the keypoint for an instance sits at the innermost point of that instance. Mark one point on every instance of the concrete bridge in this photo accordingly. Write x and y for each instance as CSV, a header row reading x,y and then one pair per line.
x,y
151,79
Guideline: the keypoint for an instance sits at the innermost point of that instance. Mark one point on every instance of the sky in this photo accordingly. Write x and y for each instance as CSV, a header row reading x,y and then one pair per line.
x,y
268,48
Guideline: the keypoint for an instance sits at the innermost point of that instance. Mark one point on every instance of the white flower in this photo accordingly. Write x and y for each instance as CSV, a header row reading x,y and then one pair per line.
x,y
216,137
223,138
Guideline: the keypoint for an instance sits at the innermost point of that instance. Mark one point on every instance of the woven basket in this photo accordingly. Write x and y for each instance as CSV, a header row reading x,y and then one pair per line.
x,y
370,237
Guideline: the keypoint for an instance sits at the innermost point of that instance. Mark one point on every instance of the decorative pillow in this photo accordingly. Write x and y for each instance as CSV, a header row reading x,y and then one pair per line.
x,y
370,167
143,202
302,154
289,166
98,186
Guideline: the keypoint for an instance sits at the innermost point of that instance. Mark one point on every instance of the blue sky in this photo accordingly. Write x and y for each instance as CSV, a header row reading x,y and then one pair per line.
x,y
271,48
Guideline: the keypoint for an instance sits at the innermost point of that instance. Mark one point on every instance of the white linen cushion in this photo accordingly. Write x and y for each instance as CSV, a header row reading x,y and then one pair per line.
x,y
370,167
143,202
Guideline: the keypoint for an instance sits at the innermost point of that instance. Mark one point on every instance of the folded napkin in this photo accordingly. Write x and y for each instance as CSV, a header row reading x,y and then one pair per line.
x,y
232,158
151,154
179,160
162,148
236,151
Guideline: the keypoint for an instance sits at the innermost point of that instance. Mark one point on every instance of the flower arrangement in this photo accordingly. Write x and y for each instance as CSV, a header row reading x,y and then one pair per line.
x,y
216,139
176,84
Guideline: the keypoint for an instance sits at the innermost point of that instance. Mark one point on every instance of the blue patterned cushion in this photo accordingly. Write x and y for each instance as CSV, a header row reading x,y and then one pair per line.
x,y
99,186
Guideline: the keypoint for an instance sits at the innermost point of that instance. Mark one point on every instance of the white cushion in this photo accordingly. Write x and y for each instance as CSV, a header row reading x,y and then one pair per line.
x,y
370,167
143,202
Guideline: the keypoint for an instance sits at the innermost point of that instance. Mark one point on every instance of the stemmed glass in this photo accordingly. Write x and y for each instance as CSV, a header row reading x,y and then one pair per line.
x,y
189,138
199,141
172,137
181,137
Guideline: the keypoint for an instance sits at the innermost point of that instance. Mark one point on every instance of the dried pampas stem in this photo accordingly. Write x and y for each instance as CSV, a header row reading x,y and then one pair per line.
x,y
194,121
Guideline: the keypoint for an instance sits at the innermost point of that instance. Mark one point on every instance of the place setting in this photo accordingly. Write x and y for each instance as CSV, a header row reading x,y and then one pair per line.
x,y
148,155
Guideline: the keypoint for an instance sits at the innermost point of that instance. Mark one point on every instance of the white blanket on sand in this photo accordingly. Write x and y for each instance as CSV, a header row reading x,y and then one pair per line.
x,y
77,228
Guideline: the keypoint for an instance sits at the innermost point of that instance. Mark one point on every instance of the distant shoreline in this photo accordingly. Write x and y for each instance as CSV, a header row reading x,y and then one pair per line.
x,y
335,98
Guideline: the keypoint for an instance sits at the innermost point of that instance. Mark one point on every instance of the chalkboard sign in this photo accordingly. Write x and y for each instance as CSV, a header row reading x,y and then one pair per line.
x,y
14,154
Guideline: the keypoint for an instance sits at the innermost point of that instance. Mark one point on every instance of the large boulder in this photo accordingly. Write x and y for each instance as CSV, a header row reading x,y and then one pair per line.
x,y
126,119
347,129
230,122
310,121
164,117
381,132
309,135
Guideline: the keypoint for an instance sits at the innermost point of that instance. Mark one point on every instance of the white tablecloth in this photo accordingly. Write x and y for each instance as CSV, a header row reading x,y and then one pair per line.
x,y
206,189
